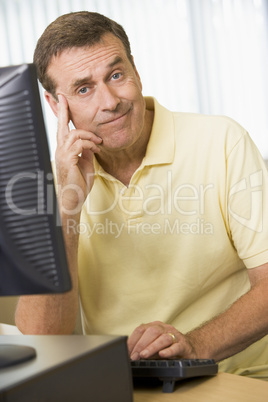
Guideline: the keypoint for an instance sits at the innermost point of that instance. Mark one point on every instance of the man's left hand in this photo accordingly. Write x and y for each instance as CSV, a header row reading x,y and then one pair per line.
x,y
159,340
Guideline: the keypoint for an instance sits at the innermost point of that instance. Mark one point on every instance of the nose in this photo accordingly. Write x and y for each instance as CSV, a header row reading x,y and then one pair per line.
x,y
107,98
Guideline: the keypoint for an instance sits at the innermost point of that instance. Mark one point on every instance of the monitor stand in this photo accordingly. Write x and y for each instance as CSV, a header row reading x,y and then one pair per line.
x,y
11,355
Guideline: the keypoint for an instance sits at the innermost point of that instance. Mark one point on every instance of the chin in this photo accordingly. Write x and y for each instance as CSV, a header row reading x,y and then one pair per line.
x,y
118,141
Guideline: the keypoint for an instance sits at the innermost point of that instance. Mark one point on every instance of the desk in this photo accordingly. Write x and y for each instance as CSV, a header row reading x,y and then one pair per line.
x,y
221,388
68,368
74,366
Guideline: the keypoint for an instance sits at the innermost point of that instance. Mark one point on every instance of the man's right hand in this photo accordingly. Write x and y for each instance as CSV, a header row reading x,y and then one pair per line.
x,y
74,161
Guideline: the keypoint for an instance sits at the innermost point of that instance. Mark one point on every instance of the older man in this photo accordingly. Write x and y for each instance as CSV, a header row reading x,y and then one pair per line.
x,y
164,214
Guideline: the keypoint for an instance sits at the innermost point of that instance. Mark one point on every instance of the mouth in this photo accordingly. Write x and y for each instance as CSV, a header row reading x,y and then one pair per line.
x,y
115,119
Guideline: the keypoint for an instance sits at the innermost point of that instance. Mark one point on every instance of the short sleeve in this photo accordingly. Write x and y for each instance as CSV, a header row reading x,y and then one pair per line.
x,y
247,201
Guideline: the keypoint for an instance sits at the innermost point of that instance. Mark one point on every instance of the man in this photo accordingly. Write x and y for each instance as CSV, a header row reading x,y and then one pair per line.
x,y
164,214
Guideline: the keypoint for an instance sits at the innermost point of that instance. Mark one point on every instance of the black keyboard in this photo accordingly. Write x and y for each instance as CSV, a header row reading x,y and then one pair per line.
x,y
170,371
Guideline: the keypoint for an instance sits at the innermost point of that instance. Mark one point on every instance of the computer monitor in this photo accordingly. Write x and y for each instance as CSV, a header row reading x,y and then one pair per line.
x,y
32,253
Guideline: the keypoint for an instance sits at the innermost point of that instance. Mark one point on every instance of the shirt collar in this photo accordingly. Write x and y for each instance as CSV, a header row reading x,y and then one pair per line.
x,y
161,145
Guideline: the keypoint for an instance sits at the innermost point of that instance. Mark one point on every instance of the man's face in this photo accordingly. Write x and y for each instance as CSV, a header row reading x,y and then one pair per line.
x,y
103,91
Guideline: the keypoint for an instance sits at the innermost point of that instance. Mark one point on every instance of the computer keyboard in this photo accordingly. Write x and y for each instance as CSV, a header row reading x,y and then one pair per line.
x,y
170,371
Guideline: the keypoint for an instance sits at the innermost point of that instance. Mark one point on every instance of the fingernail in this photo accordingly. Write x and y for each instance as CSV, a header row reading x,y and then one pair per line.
x,y
144,353
135,356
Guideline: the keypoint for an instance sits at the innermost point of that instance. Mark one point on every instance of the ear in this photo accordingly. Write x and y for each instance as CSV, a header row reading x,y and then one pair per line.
x,y
136,73
53,103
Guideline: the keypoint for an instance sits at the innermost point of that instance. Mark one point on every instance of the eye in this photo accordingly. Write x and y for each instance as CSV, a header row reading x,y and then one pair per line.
x,y
83,90
116,76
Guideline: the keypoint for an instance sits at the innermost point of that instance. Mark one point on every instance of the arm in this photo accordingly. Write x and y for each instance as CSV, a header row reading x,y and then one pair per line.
x,y
242,324
53,314
56,314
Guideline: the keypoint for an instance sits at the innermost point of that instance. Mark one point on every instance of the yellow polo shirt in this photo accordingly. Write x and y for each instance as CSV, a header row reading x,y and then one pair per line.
x,y
176,244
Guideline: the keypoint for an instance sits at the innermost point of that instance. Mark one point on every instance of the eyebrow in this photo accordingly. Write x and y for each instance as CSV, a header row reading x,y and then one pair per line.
x,y
117,60
88,78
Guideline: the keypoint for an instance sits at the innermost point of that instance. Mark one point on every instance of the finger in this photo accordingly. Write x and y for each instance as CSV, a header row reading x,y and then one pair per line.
x,y
148,337
162,342
73,142
82,145
86,135
63,118
175,350
135,337
180,349
71,156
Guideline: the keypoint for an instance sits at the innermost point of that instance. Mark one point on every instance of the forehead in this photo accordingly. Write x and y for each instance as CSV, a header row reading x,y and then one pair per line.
x,y
79,60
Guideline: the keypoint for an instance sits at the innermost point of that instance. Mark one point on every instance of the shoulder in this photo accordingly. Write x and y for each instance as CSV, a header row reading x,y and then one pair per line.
x,y
199,131
216,130
215,122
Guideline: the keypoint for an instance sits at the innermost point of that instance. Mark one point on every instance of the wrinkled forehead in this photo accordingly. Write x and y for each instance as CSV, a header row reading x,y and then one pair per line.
x,y
76,62
105,47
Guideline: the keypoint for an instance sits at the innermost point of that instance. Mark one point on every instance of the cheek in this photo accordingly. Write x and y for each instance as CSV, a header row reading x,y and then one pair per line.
x,y
140,107
134,89
80,117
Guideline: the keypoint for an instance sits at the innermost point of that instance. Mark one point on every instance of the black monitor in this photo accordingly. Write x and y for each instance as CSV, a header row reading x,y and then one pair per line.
x,y
32,253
